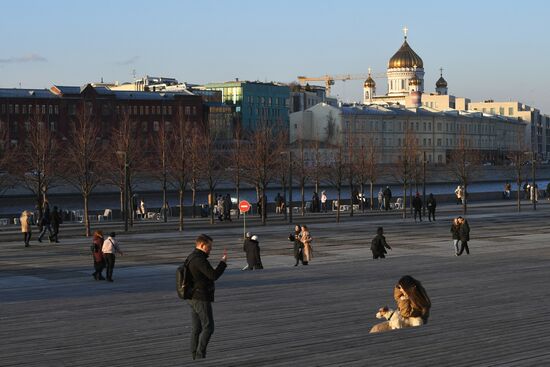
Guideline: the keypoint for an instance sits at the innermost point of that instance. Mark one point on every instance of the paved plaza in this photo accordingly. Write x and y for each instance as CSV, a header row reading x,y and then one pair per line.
x,y
489,308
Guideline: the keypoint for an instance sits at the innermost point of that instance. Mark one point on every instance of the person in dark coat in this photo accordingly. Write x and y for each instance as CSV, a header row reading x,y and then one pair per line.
x,y
431,205
464,234
379,245
387,198
251,247
298,245
417,205
227,207
202,277
99,261
56,220
45,222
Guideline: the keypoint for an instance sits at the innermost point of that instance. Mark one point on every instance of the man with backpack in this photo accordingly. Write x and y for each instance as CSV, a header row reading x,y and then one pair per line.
x,y
197,286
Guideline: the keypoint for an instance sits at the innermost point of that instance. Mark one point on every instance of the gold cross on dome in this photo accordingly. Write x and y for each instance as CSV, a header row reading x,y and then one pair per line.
x,y
405,30
369,71
441,71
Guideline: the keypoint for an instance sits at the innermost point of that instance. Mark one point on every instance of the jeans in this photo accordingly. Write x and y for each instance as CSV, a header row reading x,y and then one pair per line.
x,y
431,213
44,228
110,262
455,243
202,326
419,212
27,237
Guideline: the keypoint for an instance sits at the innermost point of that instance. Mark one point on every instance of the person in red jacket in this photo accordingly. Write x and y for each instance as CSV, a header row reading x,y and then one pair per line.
x,y
99,261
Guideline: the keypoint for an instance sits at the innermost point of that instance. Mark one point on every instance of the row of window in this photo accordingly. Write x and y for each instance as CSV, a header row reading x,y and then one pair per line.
x,y
146,110
29,109
363,126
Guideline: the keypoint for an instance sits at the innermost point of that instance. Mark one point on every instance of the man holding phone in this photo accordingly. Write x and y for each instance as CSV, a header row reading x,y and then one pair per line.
x,y
202,277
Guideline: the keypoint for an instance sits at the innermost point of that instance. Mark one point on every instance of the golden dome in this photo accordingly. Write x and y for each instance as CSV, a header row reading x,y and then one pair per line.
x,y
405,57
370,83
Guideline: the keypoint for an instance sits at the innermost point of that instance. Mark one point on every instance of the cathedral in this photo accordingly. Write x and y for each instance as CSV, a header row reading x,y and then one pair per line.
x,y
405,76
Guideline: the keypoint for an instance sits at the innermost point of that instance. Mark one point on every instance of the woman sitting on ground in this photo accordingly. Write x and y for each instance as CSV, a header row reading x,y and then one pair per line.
x,y
412,299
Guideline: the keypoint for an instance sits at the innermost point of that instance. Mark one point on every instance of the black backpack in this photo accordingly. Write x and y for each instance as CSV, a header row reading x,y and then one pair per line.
x,y
184,281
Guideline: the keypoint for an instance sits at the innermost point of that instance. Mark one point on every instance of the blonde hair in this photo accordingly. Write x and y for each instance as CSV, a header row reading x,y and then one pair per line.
x,y
98,233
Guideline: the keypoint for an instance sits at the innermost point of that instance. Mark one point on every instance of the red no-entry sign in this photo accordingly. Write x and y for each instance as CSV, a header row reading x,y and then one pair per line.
x,y
244,206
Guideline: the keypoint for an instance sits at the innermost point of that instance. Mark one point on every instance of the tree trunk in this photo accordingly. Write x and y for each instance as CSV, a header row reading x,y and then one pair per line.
x,y
303,188
211,207
351,199
404,200
86,218
264,206
164,206
238,196
338,207
193,198
317,185
182,191
372,196
122,204
519,197
465,199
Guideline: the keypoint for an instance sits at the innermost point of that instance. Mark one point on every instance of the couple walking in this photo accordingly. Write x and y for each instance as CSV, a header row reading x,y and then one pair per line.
x,y
302,244
460,230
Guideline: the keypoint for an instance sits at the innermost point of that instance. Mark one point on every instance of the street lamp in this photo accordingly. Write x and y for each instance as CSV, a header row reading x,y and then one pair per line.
x,y
123,154
424,161
289,206
534,189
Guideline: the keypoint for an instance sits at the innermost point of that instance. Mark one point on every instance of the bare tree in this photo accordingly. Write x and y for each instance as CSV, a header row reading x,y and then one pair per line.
x,y
262,157
158,162
83,158
195,163
179,161
236,159
350,143
211,170
126,149
7,155
335,172
366,166
317,167
302,173
37,159
404,167
518,159
464,163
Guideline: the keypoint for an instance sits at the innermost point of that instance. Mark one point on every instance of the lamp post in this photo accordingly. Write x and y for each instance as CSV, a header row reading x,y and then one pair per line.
x,y
289,204
424,161
535,190
125,197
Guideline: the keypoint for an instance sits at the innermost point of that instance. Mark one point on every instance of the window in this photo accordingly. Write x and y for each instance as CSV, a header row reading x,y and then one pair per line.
x,y
438,142
23,109
52,125
429,126
141,110
187,110
50,109
169,110
155,125
164,110
424,142
43,109
424,126
511,111
135,110
501,111
194,110
439,126
439,158
16,109
144,126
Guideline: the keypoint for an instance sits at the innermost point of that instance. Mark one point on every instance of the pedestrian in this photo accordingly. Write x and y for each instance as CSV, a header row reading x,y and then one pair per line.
x,y
142,210
455,228
387,198
316,204
459,193
227,207
221,208
203,277
380,199
56,220
110,248
464,234
431,204
97,255
251,247
324,201
45,222
379,245
26,227
417,205
507,190
298,245
412,300
306,239
278,203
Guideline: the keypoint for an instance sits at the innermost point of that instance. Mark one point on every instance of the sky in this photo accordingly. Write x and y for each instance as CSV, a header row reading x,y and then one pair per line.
x,y
488,49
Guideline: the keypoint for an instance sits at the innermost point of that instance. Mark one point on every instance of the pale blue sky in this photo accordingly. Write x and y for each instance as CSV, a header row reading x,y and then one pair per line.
x,y
489,49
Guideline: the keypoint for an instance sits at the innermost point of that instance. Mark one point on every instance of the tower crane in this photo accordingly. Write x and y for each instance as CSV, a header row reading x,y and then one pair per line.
x,y
330,79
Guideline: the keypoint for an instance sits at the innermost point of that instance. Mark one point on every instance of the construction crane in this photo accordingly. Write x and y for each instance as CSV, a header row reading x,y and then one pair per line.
x,y
330,79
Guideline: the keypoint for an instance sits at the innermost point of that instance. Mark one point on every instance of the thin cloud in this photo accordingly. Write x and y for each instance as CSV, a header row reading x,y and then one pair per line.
x,y
130,61
22,59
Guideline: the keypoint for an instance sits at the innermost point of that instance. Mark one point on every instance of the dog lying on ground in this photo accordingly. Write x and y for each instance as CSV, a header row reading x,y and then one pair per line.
x,y
394,320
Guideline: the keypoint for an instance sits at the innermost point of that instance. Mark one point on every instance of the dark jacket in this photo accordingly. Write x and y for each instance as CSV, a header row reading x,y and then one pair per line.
x,y
203,275
298,245
379,245
46,217
431,203
55,218
387,193
417,203
252,249
455,228
464,232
